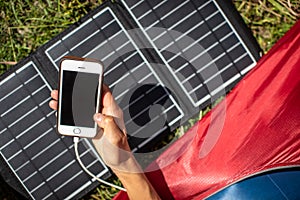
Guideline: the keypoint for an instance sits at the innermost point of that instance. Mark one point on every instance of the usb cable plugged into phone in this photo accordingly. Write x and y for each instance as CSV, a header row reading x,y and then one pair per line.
x,y
80,80
76,141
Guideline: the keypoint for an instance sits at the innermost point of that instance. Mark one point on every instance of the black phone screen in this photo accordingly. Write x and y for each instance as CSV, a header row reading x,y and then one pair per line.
x,y
78,96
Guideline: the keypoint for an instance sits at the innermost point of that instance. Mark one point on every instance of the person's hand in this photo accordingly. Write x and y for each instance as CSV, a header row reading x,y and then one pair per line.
x,y
111,143
111,140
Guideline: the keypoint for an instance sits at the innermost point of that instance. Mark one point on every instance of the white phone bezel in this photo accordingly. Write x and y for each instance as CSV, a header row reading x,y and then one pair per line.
x,y
79,66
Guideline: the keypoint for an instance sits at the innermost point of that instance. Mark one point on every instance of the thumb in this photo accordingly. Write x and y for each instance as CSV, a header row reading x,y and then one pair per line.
x,y
103,120
108,124
111,131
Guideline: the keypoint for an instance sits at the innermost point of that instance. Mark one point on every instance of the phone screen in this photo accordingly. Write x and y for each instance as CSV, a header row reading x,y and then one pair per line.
x,y
78,96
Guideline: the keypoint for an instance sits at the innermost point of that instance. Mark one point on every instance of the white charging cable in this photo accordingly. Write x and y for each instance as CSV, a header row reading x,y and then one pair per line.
x,y
76,141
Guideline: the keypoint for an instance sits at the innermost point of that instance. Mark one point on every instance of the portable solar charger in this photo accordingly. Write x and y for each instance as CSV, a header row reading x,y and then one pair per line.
x,y
42,162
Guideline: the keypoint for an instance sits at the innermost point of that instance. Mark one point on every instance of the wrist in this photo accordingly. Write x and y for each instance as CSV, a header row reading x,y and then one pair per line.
x,y
137,185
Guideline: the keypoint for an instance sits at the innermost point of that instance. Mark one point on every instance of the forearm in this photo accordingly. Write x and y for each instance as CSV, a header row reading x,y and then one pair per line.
x,y
134,180
137,185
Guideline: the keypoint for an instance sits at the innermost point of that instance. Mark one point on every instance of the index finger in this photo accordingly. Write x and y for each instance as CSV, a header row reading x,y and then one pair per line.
x,y
54,94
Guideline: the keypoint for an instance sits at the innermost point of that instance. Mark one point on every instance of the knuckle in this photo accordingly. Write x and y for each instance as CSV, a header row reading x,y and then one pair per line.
x,y
108,119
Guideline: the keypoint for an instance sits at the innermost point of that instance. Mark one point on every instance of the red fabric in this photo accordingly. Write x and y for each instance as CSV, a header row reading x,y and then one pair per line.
x,y
260,130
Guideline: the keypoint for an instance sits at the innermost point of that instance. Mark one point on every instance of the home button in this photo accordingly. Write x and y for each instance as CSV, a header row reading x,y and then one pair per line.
x,y
76,131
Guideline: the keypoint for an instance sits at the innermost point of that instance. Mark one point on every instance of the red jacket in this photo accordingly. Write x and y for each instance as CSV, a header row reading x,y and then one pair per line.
x,y
254,129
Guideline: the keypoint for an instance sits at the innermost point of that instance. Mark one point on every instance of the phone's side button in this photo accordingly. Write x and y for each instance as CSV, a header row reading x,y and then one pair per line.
x,y
76,131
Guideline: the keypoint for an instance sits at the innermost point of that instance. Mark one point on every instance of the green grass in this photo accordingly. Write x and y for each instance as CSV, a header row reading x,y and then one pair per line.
x,y
269,20
27,24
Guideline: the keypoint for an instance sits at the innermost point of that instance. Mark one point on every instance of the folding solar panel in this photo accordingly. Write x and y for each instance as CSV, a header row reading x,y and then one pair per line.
x,y
163,60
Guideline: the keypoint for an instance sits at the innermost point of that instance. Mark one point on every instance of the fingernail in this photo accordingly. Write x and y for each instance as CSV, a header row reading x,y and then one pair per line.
x,y
98,117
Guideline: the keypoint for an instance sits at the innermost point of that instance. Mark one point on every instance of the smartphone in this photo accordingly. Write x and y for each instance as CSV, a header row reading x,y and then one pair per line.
x,y
80,83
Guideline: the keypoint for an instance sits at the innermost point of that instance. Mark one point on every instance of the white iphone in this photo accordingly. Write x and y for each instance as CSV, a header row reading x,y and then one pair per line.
x,y
80,83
